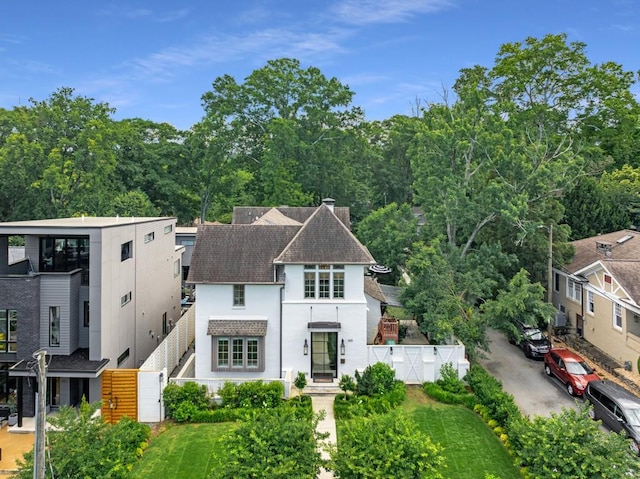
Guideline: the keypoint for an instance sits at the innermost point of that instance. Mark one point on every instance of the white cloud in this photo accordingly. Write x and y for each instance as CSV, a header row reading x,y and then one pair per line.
x,y
363,12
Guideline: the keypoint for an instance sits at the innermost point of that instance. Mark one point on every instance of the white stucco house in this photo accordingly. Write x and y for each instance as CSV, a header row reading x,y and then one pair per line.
x,y
280,289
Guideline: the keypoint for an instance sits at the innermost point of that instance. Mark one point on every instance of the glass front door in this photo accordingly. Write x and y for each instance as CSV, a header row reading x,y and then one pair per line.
x,y
324,356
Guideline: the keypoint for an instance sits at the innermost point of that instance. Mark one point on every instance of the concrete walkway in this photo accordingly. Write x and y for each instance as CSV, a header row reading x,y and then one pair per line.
x,y
328,424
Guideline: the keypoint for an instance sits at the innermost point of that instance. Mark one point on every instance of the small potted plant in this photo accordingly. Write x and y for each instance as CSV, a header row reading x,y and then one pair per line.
x,y
13,413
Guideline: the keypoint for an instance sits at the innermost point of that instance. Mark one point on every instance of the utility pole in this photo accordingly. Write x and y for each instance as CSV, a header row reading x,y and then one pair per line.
x,y
41,410
550,273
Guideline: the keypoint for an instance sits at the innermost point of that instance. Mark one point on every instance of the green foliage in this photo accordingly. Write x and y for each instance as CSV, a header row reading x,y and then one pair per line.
x,y
570,444
387,445
82,445
521,301
388,232
347,384
184,400
375,380
252,394
435,391
488,391
350,406
300,381
449,380
215,415
272,443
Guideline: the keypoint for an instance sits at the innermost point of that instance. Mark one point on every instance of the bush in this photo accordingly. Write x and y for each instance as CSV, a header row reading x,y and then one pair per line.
x,y
377,379
192,393
301,381
388,445
252,394
351,406
435,391
449,380
488,391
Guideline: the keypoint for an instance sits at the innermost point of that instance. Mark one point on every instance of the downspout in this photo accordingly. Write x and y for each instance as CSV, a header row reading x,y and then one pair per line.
x,y
281,297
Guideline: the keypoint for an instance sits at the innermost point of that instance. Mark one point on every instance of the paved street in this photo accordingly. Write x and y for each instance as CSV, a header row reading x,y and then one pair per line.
x,y
534,392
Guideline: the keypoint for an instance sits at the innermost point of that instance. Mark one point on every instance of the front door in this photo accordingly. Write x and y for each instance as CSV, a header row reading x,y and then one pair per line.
x,y
324,356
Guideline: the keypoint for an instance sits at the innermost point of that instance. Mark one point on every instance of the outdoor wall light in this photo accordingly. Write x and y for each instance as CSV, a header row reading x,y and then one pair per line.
x,y
342,348
391,351
435,351
305,348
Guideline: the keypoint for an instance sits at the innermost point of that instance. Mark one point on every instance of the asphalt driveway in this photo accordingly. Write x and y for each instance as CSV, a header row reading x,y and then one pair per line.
x,y
533,391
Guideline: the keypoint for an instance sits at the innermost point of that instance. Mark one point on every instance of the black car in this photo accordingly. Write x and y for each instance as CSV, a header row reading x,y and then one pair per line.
x,y
531,340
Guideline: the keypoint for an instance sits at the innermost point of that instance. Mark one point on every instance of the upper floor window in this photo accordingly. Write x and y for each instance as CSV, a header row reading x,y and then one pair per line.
x,y
126,251
324,281
54,326
125,299
556,282
176,267
574,290
8,330
168,229
617,315
62,254
591,306
149,237
238,294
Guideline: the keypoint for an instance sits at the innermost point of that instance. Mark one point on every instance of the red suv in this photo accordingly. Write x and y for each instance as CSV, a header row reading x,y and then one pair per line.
x,y
570,369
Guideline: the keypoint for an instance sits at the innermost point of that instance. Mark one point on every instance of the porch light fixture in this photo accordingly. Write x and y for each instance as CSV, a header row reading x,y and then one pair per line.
x,y
305,348
435,351
391,351
342,348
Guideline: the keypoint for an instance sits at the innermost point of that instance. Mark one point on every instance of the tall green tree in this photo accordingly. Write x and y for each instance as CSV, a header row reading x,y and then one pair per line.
x,y
389,233
294,131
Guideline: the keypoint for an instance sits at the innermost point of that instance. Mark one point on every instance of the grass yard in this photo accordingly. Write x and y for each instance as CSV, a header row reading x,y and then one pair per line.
x,y
471,449
181,451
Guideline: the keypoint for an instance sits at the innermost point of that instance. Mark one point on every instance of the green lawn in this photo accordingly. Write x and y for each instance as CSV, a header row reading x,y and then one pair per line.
x,y
471,449
181,451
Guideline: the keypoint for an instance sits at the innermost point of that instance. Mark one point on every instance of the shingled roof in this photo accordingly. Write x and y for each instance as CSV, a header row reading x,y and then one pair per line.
x,y
247,253
325,239
249,214
618,252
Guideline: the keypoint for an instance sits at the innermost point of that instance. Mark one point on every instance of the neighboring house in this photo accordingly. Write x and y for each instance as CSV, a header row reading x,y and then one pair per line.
x,y
95,293
599,292
186,237
280,289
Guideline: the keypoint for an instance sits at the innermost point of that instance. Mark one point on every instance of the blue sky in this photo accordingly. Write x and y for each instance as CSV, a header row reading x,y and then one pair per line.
x,y
155,59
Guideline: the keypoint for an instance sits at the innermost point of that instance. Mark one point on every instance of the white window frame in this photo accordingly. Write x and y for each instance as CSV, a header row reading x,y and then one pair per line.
x,y
149,237
239,295
591,305
324,281
574,290
617,316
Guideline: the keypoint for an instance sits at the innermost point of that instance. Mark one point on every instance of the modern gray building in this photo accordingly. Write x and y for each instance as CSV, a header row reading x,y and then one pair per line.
x,y
95,293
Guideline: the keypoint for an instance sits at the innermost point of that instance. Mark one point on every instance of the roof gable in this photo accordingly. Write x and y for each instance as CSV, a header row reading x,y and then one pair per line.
x,y
325,239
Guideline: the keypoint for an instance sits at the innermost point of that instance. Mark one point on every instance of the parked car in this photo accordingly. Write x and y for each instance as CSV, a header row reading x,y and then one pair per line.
x,y
570,369
531,340
618,409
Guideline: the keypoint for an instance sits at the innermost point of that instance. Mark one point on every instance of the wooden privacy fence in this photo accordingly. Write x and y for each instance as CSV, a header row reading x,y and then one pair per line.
x,y
119,394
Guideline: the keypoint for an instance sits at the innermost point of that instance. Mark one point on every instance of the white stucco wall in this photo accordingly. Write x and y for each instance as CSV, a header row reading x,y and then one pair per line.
x,y
216,302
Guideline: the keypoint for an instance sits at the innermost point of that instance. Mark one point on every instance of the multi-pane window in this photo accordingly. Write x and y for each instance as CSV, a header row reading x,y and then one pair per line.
x,y
617,315
323,281
574,290
54,326
252,353
223,352
62,254
8,330
591,307
238,294
238,353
